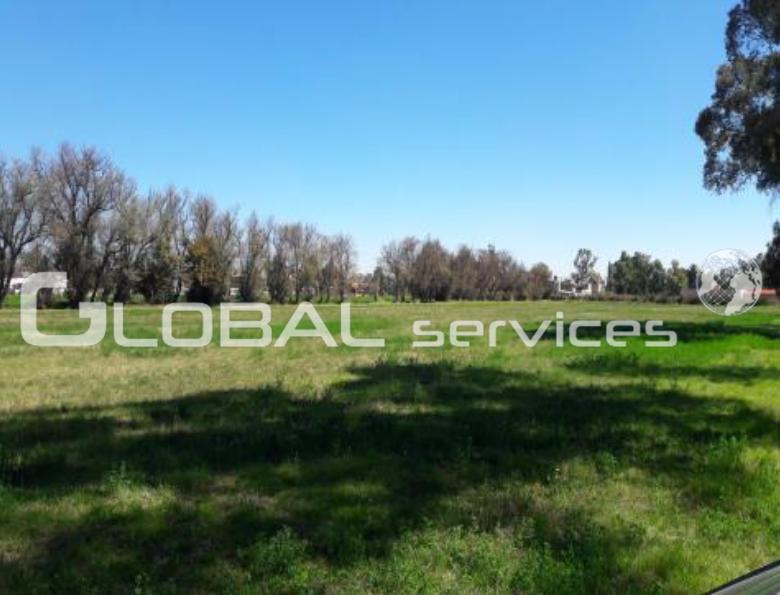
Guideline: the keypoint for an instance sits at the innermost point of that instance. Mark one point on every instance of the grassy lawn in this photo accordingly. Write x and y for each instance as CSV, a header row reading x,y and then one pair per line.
x,y
308,469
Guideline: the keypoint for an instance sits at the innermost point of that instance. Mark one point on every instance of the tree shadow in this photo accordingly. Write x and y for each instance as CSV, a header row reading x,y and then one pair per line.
x,y
631,365
349,473
719,329
687,332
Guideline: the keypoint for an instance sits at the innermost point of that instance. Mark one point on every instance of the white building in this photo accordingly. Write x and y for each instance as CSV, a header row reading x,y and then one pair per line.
x,y
16,285
565,287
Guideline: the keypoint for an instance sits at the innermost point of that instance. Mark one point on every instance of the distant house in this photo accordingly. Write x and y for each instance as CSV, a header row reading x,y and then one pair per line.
x,y
17,282
566,288
235,284
361,288
361,285
16,285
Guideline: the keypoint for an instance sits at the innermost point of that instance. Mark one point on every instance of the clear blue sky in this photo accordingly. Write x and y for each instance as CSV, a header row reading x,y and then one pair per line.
x,y
541,127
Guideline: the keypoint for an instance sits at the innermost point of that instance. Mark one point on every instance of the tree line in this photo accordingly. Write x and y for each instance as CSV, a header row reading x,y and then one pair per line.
x,y
76,211
641,275
425,270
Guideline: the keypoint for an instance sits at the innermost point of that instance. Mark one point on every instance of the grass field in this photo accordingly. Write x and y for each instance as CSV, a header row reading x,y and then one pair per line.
x,y
309,469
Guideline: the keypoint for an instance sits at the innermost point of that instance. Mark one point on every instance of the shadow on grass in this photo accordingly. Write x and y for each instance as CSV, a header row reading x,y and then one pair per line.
x,y
631,365
720,329
687,332
181,493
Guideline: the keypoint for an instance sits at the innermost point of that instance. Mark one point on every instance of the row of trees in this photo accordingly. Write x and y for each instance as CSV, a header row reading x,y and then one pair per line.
x,y
77,212
639,274
425,270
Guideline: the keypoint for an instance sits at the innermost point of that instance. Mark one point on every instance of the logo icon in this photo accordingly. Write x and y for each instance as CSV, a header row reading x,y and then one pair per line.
x,y
729,282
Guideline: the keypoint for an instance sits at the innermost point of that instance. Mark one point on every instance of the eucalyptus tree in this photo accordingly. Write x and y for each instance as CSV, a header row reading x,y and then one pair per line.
x,y
741,126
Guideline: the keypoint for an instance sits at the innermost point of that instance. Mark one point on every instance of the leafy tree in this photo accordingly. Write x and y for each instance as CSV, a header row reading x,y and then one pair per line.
x,y
540,283
657,279
677,278
741,127
278,279
640,274
207,279
584,268
693,276
770,263
210,252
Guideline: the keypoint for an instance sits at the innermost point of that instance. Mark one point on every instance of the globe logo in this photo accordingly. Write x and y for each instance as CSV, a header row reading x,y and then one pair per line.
x,y
729,282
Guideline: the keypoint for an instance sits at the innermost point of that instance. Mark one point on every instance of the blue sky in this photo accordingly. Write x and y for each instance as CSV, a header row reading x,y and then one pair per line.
x,y
541,127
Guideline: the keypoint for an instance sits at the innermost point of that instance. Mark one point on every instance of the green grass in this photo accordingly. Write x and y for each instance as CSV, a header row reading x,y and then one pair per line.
x,y
309,469
12,301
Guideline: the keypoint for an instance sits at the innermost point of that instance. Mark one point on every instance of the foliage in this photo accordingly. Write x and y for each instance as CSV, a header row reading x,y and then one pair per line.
x,y
770,263
540,282
641,275
584,269
741,127
208,282
431,275
278,280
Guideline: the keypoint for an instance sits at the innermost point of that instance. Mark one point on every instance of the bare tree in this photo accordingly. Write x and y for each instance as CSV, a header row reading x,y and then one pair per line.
x,y
137,235
80,186
390,263
254,252
279,277
227,234
378,282
160,265
409,250
298,244
431,273
21,218
464,274
124,235
490,273
344,260
326,273
203,214
398,259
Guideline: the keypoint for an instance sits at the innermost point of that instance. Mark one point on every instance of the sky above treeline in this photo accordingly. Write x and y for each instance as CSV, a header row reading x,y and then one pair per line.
x,y
540,127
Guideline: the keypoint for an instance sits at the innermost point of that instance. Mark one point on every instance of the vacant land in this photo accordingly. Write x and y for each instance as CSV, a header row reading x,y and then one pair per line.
x,y
313,469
